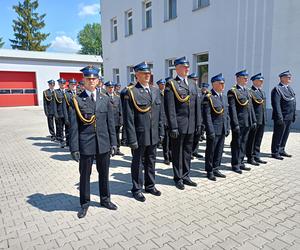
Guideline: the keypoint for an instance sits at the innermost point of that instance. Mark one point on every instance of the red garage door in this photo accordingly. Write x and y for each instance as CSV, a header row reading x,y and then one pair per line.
x,y
69,76
17,89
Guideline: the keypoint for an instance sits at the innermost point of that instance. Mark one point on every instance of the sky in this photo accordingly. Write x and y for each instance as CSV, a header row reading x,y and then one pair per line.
x,y
64,19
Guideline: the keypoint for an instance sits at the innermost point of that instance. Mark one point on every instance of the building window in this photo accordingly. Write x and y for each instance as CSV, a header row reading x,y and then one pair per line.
x,y
129,23
147,10
131,74
151,77
202,67
116,75
114,29
171,9
198,4
170,69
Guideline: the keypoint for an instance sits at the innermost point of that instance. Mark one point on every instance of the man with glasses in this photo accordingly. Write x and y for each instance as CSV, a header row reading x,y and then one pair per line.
x,y
242,119
283,99
92,135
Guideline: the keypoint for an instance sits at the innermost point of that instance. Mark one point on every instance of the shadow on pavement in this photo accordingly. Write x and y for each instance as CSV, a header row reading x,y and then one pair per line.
x,y
38,138
55,202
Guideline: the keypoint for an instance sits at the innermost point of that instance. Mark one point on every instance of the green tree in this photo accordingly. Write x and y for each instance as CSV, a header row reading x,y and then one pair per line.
x,y
1,42
90,39
27,27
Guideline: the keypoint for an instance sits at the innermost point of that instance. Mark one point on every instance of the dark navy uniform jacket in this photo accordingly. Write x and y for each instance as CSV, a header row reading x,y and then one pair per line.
x,y
184,116
48,100
96,138
283,101
240,115
259,105
145,128
216,122
117,109
67,101
58,96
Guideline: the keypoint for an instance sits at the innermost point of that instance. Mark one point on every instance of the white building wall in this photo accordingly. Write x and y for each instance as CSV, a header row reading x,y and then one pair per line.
x,y
285,46
237,34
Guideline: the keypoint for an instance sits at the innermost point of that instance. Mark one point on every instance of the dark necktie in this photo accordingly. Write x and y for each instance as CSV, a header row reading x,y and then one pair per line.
x,y
149,92
93,97
290,90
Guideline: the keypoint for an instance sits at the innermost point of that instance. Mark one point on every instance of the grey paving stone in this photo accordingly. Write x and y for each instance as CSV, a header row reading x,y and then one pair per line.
x,y
39,198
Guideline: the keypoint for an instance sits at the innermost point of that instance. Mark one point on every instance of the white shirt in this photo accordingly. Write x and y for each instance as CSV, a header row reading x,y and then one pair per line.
x,y
284,85
184,80
89,94
218,94
147,88
241,87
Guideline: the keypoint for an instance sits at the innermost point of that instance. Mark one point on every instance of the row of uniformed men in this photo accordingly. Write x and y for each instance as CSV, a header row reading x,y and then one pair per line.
x,y
181,109
57,103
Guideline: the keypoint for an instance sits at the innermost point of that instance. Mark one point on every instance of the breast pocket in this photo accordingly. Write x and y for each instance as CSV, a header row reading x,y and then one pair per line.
x,y
142,102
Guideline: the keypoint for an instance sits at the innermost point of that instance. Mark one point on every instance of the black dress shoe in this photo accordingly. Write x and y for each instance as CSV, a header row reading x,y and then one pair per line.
x,y
285,154
197,155
109,205
62,144
167,162
179,185
189,182
243,167
153,191
260,161
217,173
82,212
237,170
211,176
119,153
139,197
252,162
277,157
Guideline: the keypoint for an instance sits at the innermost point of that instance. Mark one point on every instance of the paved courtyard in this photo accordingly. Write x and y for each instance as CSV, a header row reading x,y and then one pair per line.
x,y
259,209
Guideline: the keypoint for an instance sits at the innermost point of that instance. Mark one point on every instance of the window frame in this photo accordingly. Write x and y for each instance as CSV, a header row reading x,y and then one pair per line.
x,y
168,11
114,29
127,24
130,74
199,64
170,68
198,5
145,10
116,75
